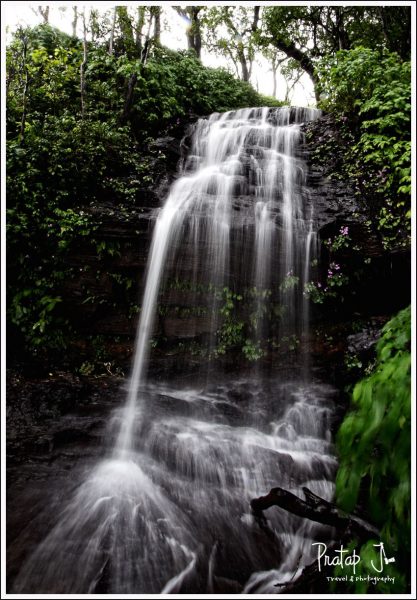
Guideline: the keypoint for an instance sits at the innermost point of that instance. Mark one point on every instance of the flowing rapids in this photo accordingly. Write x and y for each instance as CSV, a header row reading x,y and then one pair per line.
x,y
168,510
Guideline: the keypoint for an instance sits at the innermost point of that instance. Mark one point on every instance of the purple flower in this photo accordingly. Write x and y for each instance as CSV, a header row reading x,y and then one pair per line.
x,y
330,273
319,285
344,230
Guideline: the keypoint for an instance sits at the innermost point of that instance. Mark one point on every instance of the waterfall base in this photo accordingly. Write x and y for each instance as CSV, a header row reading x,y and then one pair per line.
x,y
174,515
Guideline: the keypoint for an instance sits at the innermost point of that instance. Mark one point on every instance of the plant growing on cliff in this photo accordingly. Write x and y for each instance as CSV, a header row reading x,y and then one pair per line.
x,y
230,333
252,350
334,283
371,92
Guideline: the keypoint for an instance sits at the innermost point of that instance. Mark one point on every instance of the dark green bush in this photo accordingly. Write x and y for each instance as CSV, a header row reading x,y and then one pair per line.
x,y
60,160
374,443
371,94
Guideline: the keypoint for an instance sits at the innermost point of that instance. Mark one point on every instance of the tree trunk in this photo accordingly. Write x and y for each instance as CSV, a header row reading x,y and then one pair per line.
x,y
83,67
243,62
146,45
44,12
195,30
129,98
94,25
274,81
126,29
139,27
156,11
25,94
255,21
275,64
342,36
74,21
113,27
131,84
244,67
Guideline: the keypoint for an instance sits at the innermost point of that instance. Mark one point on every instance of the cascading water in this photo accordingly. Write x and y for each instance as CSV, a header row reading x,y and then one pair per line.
x,y
168,509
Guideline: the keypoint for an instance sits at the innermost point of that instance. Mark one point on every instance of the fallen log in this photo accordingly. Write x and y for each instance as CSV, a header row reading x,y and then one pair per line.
x,y
317,509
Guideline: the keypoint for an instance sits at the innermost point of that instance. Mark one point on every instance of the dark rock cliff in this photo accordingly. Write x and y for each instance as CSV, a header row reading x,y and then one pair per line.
x,y
380,279
102,300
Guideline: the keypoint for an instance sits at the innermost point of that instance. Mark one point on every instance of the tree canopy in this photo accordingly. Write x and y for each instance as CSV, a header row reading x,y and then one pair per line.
x,y
309,33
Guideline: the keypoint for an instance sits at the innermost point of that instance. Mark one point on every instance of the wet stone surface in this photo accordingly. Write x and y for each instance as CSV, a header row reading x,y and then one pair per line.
x,y
201,453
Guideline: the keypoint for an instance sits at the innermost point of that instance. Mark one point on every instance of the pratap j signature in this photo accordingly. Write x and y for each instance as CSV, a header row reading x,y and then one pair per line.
x,y
343,558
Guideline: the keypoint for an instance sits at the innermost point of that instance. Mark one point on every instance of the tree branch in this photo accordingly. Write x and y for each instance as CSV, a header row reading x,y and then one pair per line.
x,y
316,509
291,50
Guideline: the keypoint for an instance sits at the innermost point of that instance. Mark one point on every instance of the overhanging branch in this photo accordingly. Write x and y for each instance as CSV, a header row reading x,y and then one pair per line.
x,y
316,509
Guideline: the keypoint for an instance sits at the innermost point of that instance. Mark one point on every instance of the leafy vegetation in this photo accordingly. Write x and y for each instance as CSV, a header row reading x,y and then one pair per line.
x,y
334,283
239,318
65,156
374,443
309,34
372,94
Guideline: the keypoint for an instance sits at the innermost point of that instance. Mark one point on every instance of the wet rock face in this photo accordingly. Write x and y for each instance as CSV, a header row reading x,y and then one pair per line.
x,y
55,427
364,341
43,415
378,279
103,296
331,193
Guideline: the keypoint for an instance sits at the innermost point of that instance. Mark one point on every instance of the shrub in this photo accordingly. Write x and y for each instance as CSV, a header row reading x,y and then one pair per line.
x,y
371,92
374,443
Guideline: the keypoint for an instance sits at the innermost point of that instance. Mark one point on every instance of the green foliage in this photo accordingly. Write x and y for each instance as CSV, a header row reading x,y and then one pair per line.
x,y
237,317
374,442
352,361
173,84
336,283
229,32
375,90
230,334
290,342
307,34
62,162
252,351
290,281
340,241
271,101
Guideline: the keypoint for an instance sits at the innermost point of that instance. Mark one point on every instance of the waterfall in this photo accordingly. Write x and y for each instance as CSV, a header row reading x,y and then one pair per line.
x,y
248,152
168,509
